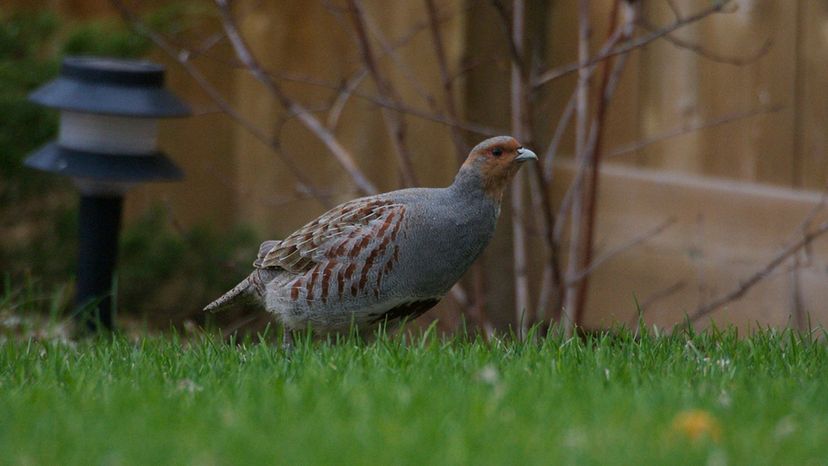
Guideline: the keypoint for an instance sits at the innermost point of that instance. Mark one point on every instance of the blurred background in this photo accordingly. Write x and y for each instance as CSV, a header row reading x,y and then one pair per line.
x,y
682,170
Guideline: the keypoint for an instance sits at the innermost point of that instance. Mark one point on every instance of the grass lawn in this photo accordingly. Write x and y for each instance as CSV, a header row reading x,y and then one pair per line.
x,y
709,398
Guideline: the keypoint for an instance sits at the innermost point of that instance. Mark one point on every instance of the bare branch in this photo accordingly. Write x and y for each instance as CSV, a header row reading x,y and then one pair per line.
x,y
390,50
657,296
342,98
709,54
577,247
674,8
448,83
621,248
551,278
762,273
595,151
311,122
216,97
508,21
557,137
630,45
722,120
520,129
393,121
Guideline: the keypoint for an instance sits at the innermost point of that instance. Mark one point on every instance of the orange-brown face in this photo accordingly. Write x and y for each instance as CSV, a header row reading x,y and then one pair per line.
x,y
497,160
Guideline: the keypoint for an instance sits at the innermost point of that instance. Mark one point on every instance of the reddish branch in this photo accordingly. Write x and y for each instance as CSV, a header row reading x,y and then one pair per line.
x,y
520,129
576,241
609,79
551,289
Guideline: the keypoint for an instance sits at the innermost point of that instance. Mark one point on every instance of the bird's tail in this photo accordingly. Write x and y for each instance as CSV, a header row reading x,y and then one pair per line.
x,y
237,290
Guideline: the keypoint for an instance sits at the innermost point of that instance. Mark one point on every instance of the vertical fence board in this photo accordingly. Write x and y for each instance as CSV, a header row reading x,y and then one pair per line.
x,y
812,105
761,148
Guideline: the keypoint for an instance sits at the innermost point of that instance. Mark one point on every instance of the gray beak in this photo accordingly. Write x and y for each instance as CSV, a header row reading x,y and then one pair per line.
x,y
525,154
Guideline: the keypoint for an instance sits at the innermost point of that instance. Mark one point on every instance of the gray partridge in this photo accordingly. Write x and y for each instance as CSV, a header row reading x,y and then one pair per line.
x,y
386,257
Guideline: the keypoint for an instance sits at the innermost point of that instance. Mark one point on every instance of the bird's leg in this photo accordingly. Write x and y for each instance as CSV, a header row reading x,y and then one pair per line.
x,y
287,340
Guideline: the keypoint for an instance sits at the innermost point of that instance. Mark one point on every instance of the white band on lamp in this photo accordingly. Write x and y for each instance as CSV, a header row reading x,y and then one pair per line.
x,y
107,134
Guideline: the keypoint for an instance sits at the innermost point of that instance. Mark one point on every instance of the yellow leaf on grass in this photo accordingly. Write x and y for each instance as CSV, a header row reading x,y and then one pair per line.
x,y
696,424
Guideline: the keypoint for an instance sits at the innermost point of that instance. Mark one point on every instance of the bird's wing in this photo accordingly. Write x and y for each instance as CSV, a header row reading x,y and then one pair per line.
x,y
344,231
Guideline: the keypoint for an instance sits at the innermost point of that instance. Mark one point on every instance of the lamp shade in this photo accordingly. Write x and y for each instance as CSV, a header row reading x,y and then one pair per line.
x,y
102,167
108,122
111,86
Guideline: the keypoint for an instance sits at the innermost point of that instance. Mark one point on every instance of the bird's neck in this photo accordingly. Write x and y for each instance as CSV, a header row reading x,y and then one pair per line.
x,y
471,182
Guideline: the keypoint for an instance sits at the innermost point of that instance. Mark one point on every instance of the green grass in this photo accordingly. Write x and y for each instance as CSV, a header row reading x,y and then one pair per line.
x,y
761,399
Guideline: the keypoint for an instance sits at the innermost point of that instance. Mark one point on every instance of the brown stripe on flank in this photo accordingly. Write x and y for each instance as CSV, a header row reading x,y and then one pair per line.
x,y
349,271
397,226
369,262
359,246
313,274
388,266
354,282
294,290
387,224
379,282
326,277
339,249
383,245
340,282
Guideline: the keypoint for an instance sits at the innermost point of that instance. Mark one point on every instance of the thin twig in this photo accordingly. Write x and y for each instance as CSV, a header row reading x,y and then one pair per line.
x,y
342,98
630,45
674,8
709,54
404,69
557,137
217,98
311,122
621,248
520,130
448,83
654,297
394,122
551,278
397,107
566,202
762,273
729,118
507,20
577,224
610,78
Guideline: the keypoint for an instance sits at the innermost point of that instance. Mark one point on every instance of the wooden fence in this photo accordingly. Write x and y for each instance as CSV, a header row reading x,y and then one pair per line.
x,y
733,152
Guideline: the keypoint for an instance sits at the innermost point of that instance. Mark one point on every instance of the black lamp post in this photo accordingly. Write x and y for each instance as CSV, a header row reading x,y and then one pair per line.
x,y
107,142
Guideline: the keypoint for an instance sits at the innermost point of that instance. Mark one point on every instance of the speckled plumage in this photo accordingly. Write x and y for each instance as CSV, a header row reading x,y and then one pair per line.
x,y
384,257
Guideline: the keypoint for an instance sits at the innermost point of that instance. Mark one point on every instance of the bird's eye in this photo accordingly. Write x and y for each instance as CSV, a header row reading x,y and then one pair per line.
x,y
497,152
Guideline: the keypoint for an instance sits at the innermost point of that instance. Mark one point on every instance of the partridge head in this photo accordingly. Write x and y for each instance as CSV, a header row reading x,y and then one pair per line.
x,y
387,257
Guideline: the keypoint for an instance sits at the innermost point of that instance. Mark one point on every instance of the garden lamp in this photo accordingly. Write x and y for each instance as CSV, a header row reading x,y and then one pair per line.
x,y
107,143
